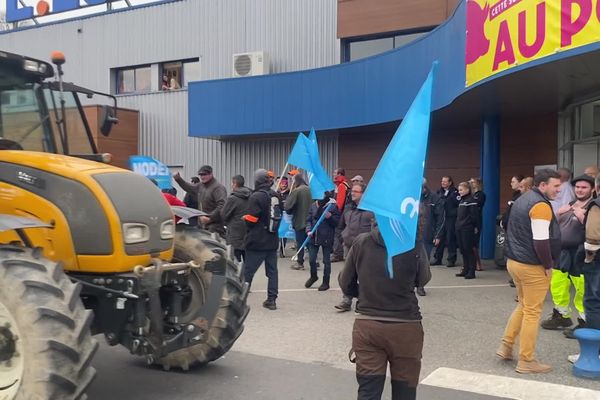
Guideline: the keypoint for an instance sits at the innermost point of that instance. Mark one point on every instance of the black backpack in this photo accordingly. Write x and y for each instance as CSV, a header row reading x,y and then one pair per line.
x,y
275,211
348,199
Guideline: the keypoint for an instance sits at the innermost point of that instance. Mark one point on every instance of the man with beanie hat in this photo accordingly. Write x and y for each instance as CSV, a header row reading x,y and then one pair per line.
x,y
261,244
211,198
571,219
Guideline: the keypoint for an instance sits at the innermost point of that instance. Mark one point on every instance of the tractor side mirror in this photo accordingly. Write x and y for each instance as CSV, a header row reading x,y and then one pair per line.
x,y
108,119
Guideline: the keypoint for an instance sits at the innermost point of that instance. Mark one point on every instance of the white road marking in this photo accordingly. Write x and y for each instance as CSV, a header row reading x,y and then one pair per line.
x,y
426,287
501,386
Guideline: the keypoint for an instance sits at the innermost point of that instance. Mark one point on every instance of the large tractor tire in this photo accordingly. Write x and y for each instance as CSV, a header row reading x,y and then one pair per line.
x,y
228,323
45,340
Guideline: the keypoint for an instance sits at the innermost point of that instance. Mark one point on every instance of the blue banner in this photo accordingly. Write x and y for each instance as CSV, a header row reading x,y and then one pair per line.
x,y
286,230
394,191
305,155
151,169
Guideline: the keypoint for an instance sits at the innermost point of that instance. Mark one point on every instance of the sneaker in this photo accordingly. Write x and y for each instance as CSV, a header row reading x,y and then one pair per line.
x,y
344,306
532,367
297,266
557,321
512,283
573,358
421,291
270,304
461,273
505,352
310,281
569,332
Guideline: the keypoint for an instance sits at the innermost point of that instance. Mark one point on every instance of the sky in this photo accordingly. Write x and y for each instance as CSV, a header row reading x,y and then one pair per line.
x,y
90,10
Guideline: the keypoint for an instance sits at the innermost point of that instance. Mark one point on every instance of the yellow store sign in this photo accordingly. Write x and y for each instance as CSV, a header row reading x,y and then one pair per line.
x,y
505,33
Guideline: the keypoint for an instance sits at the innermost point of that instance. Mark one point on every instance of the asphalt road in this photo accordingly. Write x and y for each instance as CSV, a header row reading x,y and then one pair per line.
x,y
300,350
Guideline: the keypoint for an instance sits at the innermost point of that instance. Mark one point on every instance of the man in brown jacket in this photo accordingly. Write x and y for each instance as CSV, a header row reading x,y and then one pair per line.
x,y
211,198
388,326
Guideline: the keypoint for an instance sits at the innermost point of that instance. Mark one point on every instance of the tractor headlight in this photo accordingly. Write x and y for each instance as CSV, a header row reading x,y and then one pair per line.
x,y
135,233
30,65
167,229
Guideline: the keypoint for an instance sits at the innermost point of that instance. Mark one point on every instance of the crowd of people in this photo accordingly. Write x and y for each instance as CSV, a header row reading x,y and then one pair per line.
x,y
552,225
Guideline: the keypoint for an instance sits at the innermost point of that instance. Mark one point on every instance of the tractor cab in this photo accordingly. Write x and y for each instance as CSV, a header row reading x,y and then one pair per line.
x,y
46,116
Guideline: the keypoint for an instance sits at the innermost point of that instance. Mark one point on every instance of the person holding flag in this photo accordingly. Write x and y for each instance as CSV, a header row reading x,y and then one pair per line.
x,y
321,232
305,155
386,262
297,205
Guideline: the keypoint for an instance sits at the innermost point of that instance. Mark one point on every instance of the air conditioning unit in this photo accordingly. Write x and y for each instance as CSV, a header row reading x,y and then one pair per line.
x,y
250,64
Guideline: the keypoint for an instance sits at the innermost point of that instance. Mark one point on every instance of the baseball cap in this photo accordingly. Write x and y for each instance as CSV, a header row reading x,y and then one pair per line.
x,y
205,169
293,172
357,178
584,177
271,174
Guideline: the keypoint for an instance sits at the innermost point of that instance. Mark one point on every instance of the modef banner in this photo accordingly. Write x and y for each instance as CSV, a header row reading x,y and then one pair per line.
x,y
506,33
151,169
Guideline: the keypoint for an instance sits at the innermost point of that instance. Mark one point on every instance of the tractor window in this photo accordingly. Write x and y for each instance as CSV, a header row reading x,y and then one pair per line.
x,y
21,120
78,140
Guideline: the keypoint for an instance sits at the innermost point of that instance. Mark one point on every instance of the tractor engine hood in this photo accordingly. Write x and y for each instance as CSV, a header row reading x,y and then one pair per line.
x,y
100,202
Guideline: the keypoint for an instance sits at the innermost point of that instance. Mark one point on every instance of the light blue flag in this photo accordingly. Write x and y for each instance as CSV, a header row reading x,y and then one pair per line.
x,y
305,155
286,230
312,137
394,191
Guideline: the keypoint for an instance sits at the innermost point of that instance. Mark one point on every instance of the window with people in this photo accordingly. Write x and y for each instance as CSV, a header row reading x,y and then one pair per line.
x,y
172,75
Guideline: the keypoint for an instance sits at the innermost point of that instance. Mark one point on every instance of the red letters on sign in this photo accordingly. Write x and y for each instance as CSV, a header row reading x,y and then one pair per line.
x,y
504,47
540,32
570,28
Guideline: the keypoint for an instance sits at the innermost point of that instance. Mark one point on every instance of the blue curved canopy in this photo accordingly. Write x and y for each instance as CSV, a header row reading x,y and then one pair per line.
x,y
365,92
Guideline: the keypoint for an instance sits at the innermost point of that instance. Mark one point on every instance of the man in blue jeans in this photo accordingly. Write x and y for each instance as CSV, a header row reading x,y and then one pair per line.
x,y
591,269
261,244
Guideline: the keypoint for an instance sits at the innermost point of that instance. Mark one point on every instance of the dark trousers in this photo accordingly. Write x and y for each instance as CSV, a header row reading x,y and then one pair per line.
x,y
254,258
239,254
313,250
466,242
591,295
338,244
377,344
449,241
300,238
428,247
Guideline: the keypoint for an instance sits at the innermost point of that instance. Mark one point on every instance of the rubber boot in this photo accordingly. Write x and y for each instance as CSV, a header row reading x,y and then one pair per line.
x,y
370,386
401,391
313,278
325,285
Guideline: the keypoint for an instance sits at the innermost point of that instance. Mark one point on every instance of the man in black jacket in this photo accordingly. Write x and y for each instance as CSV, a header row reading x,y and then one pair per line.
x,y
388,322
449,195
261,243
232,214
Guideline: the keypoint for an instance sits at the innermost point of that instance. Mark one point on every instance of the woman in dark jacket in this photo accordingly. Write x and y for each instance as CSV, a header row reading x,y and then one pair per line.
x,y
322,237
232,214
468,224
